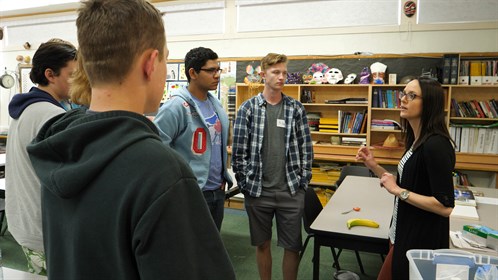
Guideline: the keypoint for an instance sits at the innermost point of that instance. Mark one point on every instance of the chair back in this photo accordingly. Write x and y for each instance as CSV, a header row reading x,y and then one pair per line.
x,y
312,207
352,170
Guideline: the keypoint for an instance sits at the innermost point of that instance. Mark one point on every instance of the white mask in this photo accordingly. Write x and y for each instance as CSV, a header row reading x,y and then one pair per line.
x,y
350,78
334,76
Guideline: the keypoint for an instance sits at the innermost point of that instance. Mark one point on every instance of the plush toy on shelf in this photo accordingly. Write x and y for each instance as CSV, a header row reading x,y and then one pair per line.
x,y
365,76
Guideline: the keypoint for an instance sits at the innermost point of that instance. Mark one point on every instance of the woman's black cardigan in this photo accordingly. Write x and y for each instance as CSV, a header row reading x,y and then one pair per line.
x,y
427,172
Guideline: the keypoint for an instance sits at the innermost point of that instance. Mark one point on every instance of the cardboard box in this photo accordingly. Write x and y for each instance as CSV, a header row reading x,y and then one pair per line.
x,y
492,241
475,233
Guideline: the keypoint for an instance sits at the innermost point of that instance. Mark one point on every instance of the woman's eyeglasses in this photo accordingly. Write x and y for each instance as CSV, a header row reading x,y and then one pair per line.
x,y
409,95
212,71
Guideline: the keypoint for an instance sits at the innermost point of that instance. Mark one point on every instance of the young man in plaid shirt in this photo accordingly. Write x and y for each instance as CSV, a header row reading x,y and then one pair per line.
x,y
272,156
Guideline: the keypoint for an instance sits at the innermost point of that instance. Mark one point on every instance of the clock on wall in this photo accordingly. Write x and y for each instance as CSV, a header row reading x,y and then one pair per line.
x,y
7,80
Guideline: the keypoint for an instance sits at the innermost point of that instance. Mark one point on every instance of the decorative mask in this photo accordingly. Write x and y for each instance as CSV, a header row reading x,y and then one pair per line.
x,y
378,71
294,78
317,77
307,78
334,76
350,78
252,74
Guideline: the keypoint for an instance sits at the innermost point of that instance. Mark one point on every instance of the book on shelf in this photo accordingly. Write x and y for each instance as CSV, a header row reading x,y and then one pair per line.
x,y
486,112
454,69
464,68
375,98
351,100
386,122
491,145
479,146
389,99
446,69
385,127
462,179
464,196
328,130
329,121
385,98
494,107
458,135
328,126
472,138
478,109
363,128
350,122
464,141
475,68
354,141
474,109
456,111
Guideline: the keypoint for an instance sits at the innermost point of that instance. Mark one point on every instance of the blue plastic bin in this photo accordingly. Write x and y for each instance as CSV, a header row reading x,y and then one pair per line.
x,y
423,262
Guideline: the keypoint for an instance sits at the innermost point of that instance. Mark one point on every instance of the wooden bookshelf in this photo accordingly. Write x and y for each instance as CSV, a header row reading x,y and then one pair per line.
x,y
374,137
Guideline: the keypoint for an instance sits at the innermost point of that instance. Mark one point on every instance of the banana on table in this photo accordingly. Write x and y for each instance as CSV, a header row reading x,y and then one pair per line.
x,y
361,222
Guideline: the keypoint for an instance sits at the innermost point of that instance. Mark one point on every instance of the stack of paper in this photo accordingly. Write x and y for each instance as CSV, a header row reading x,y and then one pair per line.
x,y
465,212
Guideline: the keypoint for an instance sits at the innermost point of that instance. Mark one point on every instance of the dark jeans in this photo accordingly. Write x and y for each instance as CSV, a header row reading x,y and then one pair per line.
x,y
216,203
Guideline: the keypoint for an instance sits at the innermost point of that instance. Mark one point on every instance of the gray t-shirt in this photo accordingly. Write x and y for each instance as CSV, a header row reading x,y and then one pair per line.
x,y
273,153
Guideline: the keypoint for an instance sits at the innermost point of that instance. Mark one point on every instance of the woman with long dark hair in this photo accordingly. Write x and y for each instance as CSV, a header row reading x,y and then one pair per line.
x,y
423,187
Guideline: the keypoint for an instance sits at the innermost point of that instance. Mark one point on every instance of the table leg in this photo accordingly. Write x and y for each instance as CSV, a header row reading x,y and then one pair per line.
x,y
316,260
336,258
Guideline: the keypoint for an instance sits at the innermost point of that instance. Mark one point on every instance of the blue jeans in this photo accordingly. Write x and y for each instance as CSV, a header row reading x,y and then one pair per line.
x,y
215,200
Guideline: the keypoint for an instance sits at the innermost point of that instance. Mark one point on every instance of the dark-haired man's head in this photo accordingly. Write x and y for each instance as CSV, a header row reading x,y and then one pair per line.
x,y
197,58
53,54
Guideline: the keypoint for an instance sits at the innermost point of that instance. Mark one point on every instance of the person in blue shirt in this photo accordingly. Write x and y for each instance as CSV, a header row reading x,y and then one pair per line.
x,y
194,123
271,157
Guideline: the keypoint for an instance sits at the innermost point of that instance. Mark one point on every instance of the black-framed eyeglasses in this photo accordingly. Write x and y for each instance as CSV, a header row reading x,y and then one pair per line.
x,y
212,71
409,95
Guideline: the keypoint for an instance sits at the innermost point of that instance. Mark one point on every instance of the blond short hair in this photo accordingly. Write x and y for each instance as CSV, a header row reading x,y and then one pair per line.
x,y
80,91
272,59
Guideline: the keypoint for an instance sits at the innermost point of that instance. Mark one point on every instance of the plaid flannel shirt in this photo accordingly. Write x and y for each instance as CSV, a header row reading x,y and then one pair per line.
x,y
248,141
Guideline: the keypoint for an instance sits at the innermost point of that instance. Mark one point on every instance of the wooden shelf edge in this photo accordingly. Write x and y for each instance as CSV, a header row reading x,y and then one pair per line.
x,y
321,184
352,159
477,166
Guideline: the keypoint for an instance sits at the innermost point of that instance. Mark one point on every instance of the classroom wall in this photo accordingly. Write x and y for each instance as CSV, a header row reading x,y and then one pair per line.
x,y
219,24
236,28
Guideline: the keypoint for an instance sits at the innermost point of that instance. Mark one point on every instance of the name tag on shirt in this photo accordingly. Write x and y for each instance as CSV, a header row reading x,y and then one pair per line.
x,y
280,123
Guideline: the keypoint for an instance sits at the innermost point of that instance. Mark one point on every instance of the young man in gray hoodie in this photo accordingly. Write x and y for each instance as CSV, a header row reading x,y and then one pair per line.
x,y
194,124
